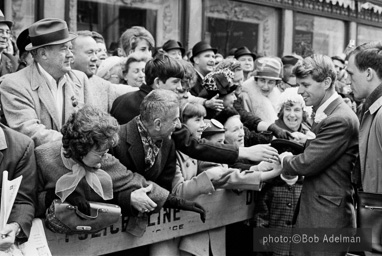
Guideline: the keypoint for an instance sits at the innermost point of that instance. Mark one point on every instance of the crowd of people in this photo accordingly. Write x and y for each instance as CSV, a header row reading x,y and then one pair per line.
x,y
147,127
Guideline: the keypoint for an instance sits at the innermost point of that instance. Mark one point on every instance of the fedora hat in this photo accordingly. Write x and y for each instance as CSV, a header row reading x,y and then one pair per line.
x,y
243,51
7,22
269,68
201,47
22,41
173,45
48,31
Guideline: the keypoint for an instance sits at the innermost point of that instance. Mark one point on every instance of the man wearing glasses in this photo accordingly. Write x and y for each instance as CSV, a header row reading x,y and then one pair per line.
x,y
8,63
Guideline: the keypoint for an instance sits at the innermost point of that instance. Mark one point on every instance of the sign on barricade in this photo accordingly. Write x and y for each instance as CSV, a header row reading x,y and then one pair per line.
x,y
223,207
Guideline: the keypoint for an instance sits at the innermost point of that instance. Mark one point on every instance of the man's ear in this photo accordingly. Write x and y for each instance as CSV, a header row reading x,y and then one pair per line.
x,y
196,60
156,83
121,52
327,83
370,73
42,52
157,124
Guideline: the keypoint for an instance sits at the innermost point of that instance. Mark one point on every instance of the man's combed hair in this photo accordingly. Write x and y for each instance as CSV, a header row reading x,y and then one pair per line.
x,y
318,66
164,67
87,128
368,55
157,104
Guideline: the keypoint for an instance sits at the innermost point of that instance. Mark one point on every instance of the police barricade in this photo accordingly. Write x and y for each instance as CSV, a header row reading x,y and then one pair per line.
x,y
223,207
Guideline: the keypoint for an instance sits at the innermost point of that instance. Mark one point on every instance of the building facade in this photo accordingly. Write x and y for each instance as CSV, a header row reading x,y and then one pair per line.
x,y
271,27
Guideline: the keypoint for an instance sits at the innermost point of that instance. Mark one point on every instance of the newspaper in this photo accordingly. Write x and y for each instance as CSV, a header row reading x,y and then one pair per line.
x,y
37,244
8,195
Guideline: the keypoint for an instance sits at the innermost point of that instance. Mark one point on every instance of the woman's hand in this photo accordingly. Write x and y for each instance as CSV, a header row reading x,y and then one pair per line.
x,y
8,235
140,201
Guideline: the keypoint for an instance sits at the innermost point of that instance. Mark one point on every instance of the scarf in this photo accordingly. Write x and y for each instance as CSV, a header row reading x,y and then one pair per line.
x,y
99,180
150,148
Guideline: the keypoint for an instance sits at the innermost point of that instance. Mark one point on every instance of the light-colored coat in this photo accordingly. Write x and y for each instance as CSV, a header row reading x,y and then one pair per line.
x,y
188,184
255,102
327,162
105,92
370,148
29,106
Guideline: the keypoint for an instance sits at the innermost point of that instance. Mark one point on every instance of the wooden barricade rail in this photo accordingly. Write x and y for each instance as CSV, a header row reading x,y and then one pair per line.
x,y
223,207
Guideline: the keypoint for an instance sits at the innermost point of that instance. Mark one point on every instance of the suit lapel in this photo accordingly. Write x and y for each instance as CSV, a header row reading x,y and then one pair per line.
x,y
40,85
135,148
328,111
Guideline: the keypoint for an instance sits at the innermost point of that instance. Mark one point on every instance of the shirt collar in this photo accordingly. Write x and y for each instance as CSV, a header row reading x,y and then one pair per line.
x,y
373,98
322,108
48,76
200,74
3,141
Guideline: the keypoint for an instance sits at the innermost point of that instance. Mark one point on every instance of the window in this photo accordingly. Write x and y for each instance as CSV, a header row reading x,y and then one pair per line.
x,y
319,35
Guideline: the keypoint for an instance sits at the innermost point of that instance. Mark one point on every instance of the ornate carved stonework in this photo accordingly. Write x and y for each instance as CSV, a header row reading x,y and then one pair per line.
x,y
340,9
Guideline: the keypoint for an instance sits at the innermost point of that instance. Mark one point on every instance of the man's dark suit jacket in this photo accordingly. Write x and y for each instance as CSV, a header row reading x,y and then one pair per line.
x,y
197,88
18,159
126,106
130,153
327,162
8,64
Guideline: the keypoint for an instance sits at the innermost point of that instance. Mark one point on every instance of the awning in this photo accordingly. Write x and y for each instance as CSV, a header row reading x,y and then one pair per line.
x,y
344,3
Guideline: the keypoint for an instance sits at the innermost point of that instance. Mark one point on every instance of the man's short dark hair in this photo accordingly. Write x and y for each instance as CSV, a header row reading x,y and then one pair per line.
x,y
163,66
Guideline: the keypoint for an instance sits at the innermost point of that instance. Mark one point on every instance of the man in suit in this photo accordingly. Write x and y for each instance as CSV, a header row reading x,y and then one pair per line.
x,y
203,59
8,62
38,99
85,51
327,195
145,142
17,157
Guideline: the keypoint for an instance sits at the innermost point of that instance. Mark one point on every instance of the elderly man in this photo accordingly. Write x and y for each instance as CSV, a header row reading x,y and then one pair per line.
x,y
203,59
85,50
327,195
17,157
38,99
8,63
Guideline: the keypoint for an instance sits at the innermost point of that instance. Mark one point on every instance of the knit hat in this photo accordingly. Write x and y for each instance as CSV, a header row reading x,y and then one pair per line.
x,y
268,67
290,95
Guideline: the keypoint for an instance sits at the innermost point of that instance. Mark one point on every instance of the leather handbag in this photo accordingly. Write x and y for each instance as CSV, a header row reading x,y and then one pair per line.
x,y
369,216
67,219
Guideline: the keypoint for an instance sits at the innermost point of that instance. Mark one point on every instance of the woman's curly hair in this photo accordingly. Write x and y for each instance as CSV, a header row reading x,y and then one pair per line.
x,y
87,128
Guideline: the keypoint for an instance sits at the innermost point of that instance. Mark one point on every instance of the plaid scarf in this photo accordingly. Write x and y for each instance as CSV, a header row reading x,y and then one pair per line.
x,y
150,147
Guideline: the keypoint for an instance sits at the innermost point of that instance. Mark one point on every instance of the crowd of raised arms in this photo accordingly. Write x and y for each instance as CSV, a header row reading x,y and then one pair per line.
x,y
146,127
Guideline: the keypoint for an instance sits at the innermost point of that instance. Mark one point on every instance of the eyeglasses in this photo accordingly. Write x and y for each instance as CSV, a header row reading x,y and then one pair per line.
x,y
5,32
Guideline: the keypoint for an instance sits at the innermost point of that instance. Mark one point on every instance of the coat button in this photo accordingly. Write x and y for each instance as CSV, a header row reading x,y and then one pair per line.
x,y
289,204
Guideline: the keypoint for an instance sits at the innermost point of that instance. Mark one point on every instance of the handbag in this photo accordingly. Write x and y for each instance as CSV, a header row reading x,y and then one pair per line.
x,y
67,219
369,215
